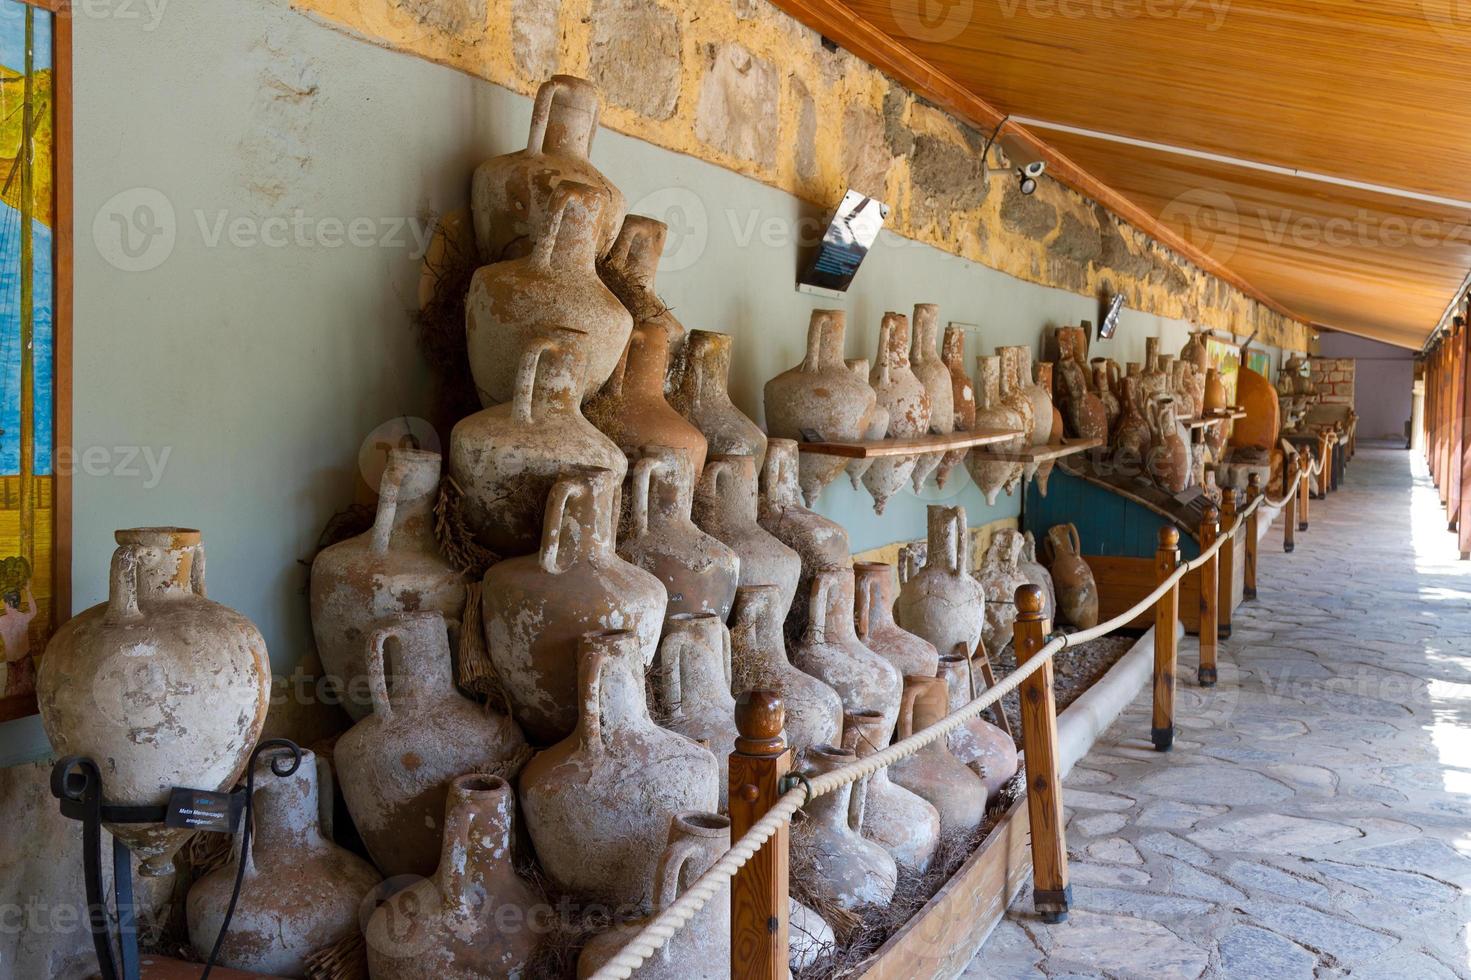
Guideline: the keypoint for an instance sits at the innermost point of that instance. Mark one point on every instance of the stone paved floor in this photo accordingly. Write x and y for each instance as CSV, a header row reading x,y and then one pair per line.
x,y
1314,818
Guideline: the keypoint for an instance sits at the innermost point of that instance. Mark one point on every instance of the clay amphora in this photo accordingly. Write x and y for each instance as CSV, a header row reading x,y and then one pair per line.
x,y
506,459
1077,594
1000,574
1263,421
702,397
446,926
1215,399
160,685
1103,385
396,764
941,601
726,507
892,817
537,608
1183,391
819,398
511,195
300,893
933,773
819,543
1044,469
1195,352
631,409
1017,394
1153,381
878,424
874,617
1038,575
831,651
598,803
700,950
830,853
814,711
693,683
698,571
930,368
1083,413
513,304
988,751
962,398
904,397
1169,456
994,412
629,270
1131,439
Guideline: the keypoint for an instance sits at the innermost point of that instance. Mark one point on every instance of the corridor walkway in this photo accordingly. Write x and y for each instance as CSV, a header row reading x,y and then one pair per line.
x,y
1314,818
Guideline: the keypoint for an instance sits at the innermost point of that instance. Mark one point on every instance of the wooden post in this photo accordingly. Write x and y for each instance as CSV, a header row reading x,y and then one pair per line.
x,y
1253,491
1166,615
1289,511
1227,565
1455,424
1051,892
1210,595
1304,488
759,906
1325,478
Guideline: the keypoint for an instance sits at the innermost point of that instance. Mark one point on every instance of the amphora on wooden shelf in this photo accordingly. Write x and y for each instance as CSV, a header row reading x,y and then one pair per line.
x,y
904,397
1215,400
1104,383
598,803
1043,470
934,773
820,543
160,685
1153,381
446,926
631,409
1077,593
900,822
1000,574
702,396
512,195
878,424
628,270
831,651
941,601
1184,391
993,411
726,506
1169,454
511,305
1083,413
1195,351
829,851
395,765
1132,438
538,607
962,397
988,751
934,374
692,684
874,616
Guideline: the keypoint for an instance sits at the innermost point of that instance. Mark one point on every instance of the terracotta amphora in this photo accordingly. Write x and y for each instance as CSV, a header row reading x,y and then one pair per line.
x,y
703,397
692,681
1018,395
1077,594
1195,351
396,765
814,711
1263,407
598,803
159,685
829,850
1131,439
904,397
726,506
874,618
1104,387
1215,400
1000,574
472,918
699,572
506,459
1083,413
962,398
511,195
831,651
1036,573
940,601
1195,381
994,412
1153,382
988,751
629,270
513,304
1184,391
933,773
700,950
819,543
300,893
878,424
536,608
819,399
631,409
1169,456
903,824
1044,469
930,368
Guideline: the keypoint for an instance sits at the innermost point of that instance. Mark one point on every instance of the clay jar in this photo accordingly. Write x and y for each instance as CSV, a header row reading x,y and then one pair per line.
x,y
1083,413
814,711
933,373
933,773
1131,439
962,397
1215,400
598,803
629,270
1195,352
160,685
537,607
993,412
395,765
1038,575
1044,469
941,602
831,651
698,571
631,410
300,892
1103,384
513,304
904,397
820,397
511,195
506,459
693,682
445,927
702,396
819,543
1153,382
1077,594
1169,456
878,424
985,749
892,817
835,860
1000,574
874,615
1183,390
725,506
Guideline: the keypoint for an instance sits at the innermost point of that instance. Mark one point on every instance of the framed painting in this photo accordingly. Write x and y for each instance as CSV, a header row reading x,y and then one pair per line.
x,y
1225,358
35,339
1260,362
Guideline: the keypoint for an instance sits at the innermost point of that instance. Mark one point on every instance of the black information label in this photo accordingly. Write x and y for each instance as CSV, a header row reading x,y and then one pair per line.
x,y
199,809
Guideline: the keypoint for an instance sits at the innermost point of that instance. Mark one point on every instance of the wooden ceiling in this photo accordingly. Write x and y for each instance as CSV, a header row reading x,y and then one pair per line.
x,y
1367,92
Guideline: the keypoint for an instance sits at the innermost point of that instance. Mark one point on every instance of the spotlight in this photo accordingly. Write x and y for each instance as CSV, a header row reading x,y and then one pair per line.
x,y
1028,184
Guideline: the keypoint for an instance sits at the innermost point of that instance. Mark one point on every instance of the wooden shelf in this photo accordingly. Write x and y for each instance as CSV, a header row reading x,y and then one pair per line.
x,y
910,447
1201,421
1041,454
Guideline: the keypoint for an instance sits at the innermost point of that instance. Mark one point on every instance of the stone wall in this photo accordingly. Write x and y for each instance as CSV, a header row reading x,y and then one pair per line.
x,y
740,84
1334,379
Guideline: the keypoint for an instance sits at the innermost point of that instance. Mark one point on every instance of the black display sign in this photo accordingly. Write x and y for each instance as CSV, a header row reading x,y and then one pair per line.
x,y
200,809
849,236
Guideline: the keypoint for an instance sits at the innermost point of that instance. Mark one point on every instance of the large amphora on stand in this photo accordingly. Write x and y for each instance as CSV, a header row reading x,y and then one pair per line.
x,y
159,686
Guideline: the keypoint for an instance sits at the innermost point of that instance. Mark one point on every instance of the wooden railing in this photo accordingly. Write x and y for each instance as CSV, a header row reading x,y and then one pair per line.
x,y
1447,436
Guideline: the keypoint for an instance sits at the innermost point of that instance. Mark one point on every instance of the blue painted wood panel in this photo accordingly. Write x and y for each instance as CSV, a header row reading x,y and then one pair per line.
x,y
1107,523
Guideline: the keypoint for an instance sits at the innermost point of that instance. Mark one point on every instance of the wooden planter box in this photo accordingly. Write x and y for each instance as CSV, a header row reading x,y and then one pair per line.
x,y
1124,581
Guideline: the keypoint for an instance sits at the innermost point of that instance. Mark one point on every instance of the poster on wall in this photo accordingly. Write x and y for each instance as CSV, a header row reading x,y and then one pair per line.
x,y
1226,359
1260,362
